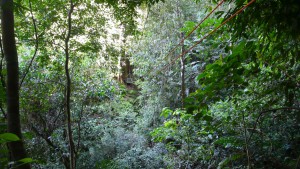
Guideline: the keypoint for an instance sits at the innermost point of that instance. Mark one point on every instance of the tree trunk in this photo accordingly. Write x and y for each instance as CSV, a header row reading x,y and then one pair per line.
x,y
68,91
182,62
124,63
126,69
17,150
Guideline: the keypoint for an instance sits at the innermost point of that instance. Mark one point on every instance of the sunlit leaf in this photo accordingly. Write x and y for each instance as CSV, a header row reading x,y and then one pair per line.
x,y
8,137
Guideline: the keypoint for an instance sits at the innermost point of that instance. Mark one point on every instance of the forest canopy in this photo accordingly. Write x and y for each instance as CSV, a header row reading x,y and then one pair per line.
x,y
121,84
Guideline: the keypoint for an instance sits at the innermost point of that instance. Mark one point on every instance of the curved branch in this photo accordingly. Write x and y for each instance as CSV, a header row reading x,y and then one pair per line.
x,y
36,45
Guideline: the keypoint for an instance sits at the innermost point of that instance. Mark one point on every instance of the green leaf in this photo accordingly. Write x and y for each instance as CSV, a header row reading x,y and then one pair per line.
x,y
188,26
170,124
202,75
27,160
227,160
178,112
166,112
225,141
186,116
239,48
8,137
28,135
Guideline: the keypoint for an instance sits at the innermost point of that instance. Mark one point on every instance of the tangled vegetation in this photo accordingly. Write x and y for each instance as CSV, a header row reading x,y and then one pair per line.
x,y
117,84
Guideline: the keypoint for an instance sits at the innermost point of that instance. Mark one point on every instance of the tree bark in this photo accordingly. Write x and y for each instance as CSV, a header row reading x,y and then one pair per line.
x,y
17,150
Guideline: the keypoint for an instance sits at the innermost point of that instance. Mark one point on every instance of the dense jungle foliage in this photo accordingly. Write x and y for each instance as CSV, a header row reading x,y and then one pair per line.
x,y
129,84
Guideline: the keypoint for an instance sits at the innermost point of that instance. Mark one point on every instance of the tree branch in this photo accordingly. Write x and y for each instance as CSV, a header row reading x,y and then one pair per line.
x,y
271,110
36,45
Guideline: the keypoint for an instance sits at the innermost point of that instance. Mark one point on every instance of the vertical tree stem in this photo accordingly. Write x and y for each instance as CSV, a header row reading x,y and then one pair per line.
x,y
246,140
182,61
68,90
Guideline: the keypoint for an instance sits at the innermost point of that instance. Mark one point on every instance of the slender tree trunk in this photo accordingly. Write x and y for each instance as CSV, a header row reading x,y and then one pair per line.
x,y
182,62
17,150
124,64
68,91
124,61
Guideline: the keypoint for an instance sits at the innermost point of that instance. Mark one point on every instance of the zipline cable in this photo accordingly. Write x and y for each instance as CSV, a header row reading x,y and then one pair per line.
x,y
213,31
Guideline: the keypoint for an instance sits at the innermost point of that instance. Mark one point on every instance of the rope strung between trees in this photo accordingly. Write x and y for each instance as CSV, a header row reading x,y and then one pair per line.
x,y
207,35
